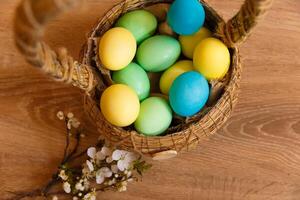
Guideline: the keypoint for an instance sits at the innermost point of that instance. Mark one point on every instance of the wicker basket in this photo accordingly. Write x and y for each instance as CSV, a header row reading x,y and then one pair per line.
x,y
90,76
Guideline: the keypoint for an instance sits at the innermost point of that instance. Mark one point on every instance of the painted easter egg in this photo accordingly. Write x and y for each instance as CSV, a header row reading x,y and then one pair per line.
x,y
120,105
212,58
186,17
189,93
158,53
155,116
172,73
141,23
134,76
117,48
189,42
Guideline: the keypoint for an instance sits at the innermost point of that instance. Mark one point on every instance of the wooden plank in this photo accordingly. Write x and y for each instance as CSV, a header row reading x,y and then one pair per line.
x,y
255,156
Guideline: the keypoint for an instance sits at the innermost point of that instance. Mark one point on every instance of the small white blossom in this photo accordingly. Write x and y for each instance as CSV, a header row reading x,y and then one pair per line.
x,y
73,122
118,154
106,151
70,115
54,198
86,183
90,165
122,189
103,173
79,186
130,180
60,115
90,196
67,187
109,159
129,174
111,182
91,152
100,156
124,183
69,126
124,158
62,175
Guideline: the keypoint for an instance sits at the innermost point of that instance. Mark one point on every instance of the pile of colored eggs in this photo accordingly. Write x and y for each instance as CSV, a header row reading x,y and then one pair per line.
x,y
131,50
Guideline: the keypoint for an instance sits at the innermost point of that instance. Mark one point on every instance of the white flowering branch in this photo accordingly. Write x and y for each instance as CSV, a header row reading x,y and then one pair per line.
x,y
106,168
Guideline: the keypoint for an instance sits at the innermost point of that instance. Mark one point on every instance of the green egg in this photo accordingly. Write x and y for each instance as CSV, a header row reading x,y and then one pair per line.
x,y
141,23
155,116
158,53
135,77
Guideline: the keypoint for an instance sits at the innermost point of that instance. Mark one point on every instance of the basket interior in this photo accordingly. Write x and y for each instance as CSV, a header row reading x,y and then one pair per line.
x,y
90,57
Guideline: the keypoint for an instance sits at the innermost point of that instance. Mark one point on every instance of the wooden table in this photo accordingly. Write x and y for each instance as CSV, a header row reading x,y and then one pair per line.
x,y
255,156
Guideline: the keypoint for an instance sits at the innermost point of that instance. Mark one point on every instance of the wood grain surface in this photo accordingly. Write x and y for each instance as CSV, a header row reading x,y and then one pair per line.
x,y
255,156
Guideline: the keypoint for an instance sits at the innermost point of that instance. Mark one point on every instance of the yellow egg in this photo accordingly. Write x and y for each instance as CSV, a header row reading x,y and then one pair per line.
x,y
120,105
189,42
117,48
172,73
212,58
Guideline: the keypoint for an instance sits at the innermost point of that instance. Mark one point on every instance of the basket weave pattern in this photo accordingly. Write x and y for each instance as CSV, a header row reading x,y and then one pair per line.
x,y
89,75
190,132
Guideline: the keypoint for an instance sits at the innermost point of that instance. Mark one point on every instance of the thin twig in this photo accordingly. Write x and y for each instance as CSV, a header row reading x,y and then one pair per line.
x,y
49,185
67,158
78,155
45,191
67,141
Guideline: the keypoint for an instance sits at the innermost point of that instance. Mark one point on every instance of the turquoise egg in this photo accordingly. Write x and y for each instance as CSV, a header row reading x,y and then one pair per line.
x,y
186,17
141,23
189,93
135,77
155,116
158,53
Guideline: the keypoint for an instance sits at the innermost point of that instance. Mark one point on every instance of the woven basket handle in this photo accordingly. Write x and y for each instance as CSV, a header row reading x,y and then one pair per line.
x,y
29,23
238,28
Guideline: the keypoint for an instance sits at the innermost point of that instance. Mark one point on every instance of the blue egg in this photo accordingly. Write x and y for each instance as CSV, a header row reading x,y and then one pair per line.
x,y
189,93
186,17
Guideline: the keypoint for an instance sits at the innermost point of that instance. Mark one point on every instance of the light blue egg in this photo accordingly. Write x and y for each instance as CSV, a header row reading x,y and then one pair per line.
x,y
189,93
186,17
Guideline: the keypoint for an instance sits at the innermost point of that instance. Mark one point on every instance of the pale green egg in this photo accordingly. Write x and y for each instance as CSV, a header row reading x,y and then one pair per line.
x,y
158,53
141,23
134,76
155,116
